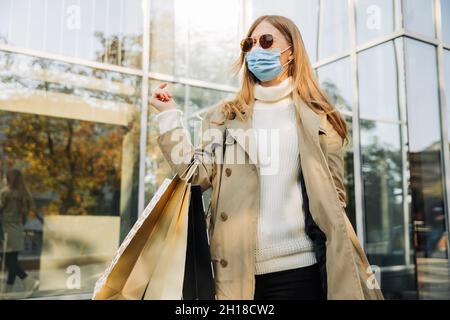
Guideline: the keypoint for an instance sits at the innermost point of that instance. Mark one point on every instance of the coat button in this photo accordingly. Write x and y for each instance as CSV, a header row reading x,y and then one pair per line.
x,y
224,216
228,172
223,263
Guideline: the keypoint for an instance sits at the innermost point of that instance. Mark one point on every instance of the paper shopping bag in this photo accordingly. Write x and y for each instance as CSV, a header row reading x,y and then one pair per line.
x,y
140,260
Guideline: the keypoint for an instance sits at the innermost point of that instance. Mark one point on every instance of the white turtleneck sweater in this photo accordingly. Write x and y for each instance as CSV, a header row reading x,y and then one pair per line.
x,y
282,242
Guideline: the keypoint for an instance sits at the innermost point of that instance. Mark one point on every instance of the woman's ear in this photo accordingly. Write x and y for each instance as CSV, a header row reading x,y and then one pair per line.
x,y
291,56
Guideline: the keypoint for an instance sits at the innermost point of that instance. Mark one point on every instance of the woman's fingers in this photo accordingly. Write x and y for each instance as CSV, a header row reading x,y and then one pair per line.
x,y
162,94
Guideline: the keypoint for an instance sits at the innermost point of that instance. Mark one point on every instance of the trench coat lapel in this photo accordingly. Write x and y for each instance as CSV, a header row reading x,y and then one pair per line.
x,y
311,122
241,131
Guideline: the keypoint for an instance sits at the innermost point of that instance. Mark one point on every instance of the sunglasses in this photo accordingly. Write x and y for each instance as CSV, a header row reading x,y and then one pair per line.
x,y
265,41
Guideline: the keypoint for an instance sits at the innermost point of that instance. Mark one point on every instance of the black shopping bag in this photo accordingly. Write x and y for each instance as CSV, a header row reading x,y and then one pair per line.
x,y
198,275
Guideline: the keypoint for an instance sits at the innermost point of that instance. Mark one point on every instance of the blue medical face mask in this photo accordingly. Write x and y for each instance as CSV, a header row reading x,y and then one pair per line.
x,y
265,63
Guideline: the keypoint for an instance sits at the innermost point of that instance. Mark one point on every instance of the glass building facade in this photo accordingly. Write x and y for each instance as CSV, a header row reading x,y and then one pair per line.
x,y
75,77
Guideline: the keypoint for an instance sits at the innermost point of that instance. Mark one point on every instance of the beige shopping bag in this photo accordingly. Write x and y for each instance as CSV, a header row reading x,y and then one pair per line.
x,y
156,242
167,279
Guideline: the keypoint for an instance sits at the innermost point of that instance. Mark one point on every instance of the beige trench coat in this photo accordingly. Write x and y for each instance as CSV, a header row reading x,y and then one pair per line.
x,y
234,206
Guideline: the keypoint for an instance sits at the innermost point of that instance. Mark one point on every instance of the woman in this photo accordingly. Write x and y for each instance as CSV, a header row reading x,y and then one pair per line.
x,y
15,204
277,224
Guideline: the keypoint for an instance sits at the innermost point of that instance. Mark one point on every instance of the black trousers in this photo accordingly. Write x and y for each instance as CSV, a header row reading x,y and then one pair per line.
x,y
295,284
14,268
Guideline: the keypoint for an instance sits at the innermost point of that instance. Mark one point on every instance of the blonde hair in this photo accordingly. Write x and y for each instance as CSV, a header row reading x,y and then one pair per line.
x,y
307,87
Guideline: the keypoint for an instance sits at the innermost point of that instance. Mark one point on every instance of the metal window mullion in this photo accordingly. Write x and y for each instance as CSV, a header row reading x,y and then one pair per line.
x,y
359,196
58,57
144,102
398,15
401,87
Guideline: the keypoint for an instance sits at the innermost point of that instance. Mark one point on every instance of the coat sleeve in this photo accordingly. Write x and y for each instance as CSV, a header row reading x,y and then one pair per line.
x,y
335,157
179,152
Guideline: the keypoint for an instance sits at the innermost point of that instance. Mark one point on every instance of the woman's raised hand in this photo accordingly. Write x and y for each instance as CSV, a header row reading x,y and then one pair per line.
x,y
161,99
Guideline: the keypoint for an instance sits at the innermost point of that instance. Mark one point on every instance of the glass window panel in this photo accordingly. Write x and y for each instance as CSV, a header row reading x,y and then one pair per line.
x,y
383,192
164,41
447,86
198,39
423,100
70,27
36,25
335,79
108,31
425,169
73,131
305,14
5,20
445,13
131,33
377,77
18,31
53,25
86,39
333,28
419,17
200,98
375,18
100,26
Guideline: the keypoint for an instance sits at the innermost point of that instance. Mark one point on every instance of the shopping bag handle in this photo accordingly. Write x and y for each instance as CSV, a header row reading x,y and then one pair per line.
x,y
190,170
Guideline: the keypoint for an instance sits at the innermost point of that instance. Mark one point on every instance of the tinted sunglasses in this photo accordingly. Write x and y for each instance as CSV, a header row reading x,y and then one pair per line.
x,y
265,41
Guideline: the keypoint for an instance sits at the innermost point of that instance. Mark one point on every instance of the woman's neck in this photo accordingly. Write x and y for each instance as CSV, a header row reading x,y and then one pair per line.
x,y
274,93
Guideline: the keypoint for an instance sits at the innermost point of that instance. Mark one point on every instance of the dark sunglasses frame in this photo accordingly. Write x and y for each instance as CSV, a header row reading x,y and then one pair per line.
x,y
265,41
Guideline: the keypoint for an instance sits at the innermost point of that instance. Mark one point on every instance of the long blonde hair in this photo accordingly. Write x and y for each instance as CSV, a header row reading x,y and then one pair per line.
x,y
308,89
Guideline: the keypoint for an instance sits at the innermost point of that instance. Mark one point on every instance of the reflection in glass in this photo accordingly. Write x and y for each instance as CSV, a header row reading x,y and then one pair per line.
x,y
335,79
305,14
427,205
383,205
375,18
333,28
107,31
383,195
74,132
198,39
419,17
377,79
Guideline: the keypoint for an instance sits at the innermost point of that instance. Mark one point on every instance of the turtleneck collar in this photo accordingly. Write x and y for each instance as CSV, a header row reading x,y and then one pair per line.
x,y
273,93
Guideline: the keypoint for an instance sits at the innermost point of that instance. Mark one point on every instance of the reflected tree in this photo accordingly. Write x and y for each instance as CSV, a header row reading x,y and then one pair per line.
x,y
77,162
